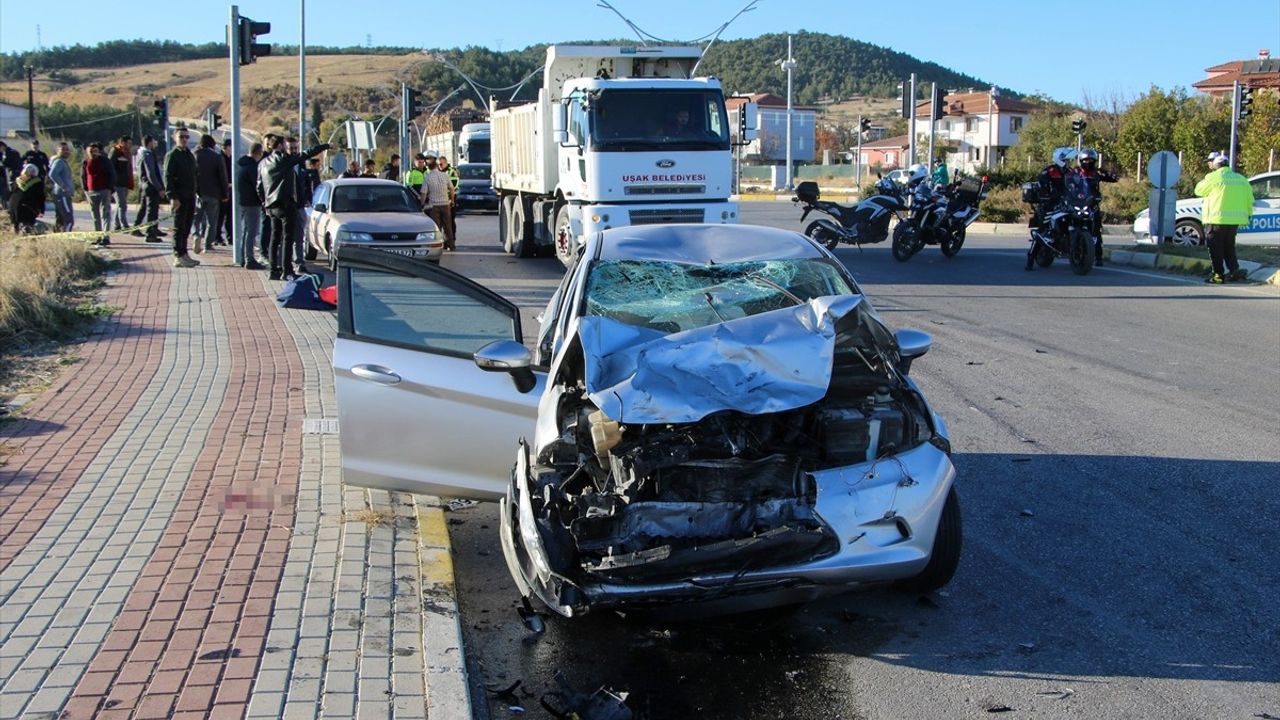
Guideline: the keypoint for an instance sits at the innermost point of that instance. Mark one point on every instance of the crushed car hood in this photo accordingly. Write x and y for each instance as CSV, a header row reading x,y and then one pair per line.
x,y
770,362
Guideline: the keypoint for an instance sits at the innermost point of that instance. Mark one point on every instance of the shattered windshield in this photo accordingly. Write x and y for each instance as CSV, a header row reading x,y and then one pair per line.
x,y
673,297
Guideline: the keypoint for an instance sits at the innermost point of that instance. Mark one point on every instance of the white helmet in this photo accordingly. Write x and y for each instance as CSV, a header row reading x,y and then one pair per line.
x,y
916,173
1063,155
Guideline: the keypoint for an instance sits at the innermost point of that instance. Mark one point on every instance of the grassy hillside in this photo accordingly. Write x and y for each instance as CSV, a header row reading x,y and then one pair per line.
x,y
847,75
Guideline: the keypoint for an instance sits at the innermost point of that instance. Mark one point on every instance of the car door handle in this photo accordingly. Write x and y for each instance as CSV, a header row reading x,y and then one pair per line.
x,y
376,373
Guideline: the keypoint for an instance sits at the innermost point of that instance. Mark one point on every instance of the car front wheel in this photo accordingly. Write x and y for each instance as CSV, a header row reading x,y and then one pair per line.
x,y
946,551
1188,232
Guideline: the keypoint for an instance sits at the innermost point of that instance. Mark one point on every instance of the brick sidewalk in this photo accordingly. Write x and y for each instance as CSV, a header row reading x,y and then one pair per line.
x,y
175,543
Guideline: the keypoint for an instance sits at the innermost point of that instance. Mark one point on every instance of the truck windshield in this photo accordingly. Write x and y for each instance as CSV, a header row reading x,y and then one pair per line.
x,y
658,119
476,150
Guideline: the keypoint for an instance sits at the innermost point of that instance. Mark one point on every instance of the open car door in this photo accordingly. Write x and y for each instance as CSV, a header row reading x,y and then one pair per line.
x,y
415,411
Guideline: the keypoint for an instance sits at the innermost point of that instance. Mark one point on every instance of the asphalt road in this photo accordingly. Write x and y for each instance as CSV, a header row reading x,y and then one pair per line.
x,y
1116,437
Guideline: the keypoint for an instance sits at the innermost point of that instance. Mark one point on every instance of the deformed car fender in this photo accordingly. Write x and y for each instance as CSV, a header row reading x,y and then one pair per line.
x,y
522,546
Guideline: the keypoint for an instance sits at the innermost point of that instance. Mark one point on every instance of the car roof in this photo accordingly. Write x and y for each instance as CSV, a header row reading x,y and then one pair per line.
x,y
346,182
703,244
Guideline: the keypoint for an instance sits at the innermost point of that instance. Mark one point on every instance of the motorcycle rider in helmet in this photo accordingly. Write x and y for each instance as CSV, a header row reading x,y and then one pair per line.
x,y
1094,177
1052,182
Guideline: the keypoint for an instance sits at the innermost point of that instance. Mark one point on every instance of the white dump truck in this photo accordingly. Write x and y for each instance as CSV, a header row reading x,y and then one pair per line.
x,y
618,136
468,145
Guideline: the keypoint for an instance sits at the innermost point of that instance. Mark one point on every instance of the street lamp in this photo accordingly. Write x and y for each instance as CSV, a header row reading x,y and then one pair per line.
x,y
789,65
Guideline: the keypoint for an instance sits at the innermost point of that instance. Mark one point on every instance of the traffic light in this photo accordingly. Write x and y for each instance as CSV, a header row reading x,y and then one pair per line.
x,y
908,103
161,110
413,99
215,120
936,103
742,121
246,34
1246,99
1078,126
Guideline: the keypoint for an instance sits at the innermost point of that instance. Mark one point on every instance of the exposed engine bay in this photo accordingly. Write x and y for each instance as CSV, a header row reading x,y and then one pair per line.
x,y
729,493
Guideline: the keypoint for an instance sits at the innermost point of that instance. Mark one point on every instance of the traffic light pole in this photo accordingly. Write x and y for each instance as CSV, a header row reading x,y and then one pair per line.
x,y
933,122
911,104
857,174
404,130
237,231
1235,124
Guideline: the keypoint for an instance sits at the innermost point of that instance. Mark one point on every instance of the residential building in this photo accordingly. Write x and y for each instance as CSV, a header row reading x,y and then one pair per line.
x,y
886,153
1261,72
977,129
770,145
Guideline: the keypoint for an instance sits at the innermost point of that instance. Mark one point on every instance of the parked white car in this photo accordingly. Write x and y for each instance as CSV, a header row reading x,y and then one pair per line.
x,y
714,414
1263,229
371,213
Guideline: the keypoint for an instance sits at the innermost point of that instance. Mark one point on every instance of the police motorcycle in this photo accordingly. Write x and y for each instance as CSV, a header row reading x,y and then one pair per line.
x,y
1067,230
939,215
862,224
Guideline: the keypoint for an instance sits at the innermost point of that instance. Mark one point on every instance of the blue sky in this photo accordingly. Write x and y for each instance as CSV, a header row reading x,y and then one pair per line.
x,y
1063,49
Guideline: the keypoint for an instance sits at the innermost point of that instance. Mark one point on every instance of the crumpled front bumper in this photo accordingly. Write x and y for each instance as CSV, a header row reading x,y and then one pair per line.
x,y
885,515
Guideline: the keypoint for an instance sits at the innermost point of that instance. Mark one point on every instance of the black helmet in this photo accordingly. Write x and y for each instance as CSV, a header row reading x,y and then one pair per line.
x,y
1088,159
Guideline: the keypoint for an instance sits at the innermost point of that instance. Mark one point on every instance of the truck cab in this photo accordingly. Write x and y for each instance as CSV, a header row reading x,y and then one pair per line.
x,y
619,136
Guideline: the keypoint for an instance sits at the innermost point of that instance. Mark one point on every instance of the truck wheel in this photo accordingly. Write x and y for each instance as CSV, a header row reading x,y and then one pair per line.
x,y
504,221
563,239
521,231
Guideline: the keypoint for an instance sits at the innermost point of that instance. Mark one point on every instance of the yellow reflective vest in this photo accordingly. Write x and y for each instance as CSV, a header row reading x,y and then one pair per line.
x,y
414,178
1228,199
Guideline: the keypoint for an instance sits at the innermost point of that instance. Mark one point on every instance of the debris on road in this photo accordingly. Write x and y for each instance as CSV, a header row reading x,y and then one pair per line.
x,y
603,704
999,709
532,619
460,504
1026,513
1065,693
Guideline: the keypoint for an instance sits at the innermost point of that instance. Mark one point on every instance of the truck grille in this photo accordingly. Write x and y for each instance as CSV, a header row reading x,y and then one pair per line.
x,y
665,189
661,216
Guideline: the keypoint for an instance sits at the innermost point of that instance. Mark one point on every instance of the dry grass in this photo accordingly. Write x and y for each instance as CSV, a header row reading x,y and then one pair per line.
x,y
373,518
42,283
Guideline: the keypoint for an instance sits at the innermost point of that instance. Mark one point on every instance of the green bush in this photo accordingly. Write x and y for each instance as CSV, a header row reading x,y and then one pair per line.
x,y
1008,176
1122,200
1003,205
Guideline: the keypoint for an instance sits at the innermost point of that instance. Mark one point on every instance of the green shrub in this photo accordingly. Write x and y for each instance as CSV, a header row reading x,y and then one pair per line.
x,y
1004,205
1122,200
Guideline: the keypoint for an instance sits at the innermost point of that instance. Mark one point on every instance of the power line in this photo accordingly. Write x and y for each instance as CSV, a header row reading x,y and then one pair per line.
x,y
89,122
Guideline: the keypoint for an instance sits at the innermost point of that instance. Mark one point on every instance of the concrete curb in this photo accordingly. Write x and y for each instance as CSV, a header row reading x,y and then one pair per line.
x,y
446,670
1190,265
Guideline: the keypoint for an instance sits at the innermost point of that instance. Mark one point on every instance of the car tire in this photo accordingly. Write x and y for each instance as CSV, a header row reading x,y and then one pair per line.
x,y
945,556
1188,232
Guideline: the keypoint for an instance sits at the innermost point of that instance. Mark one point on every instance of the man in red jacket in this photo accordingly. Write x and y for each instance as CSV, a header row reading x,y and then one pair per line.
x,y
99,181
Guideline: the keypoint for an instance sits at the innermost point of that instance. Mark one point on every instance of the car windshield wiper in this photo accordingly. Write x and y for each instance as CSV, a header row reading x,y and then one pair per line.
x,y
756,276
711,303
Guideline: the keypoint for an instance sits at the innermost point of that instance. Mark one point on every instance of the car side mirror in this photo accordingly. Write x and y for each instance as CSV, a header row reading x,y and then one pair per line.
x,y
511,357
320,207
912,344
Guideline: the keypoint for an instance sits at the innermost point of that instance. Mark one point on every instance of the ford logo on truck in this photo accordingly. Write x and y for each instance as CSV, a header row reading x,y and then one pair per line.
x,y
666,163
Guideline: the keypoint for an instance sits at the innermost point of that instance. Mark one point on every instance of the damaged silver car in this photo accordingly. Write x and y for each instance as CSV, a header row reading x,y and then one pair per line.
x,y
711,415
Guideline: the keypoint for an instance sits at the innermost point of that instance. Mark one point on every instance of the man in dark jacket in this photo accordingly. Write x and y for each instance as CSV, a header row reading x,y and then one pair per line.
x,y
121,157
250,206
211,187
35,156
180,184
391,171
152,190
10,168
280,197
224,217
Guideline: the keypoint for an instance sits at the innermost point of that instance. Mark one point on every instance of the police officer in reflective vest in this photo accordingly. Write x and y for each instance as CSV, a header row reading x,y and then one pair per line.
x,y
1228,204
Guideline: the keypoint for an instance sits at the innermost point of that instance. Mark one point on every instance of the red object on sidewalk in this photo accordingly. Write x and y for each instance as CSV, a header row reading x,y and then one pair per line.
x,y
329,294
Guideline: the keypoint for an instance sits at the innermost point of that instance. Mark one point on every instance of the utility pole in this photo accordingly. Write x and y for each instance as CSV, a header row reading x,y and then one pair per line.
x,y
934,101
857,174
233,43
789,65
911,104
302,72
404,130
31,104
